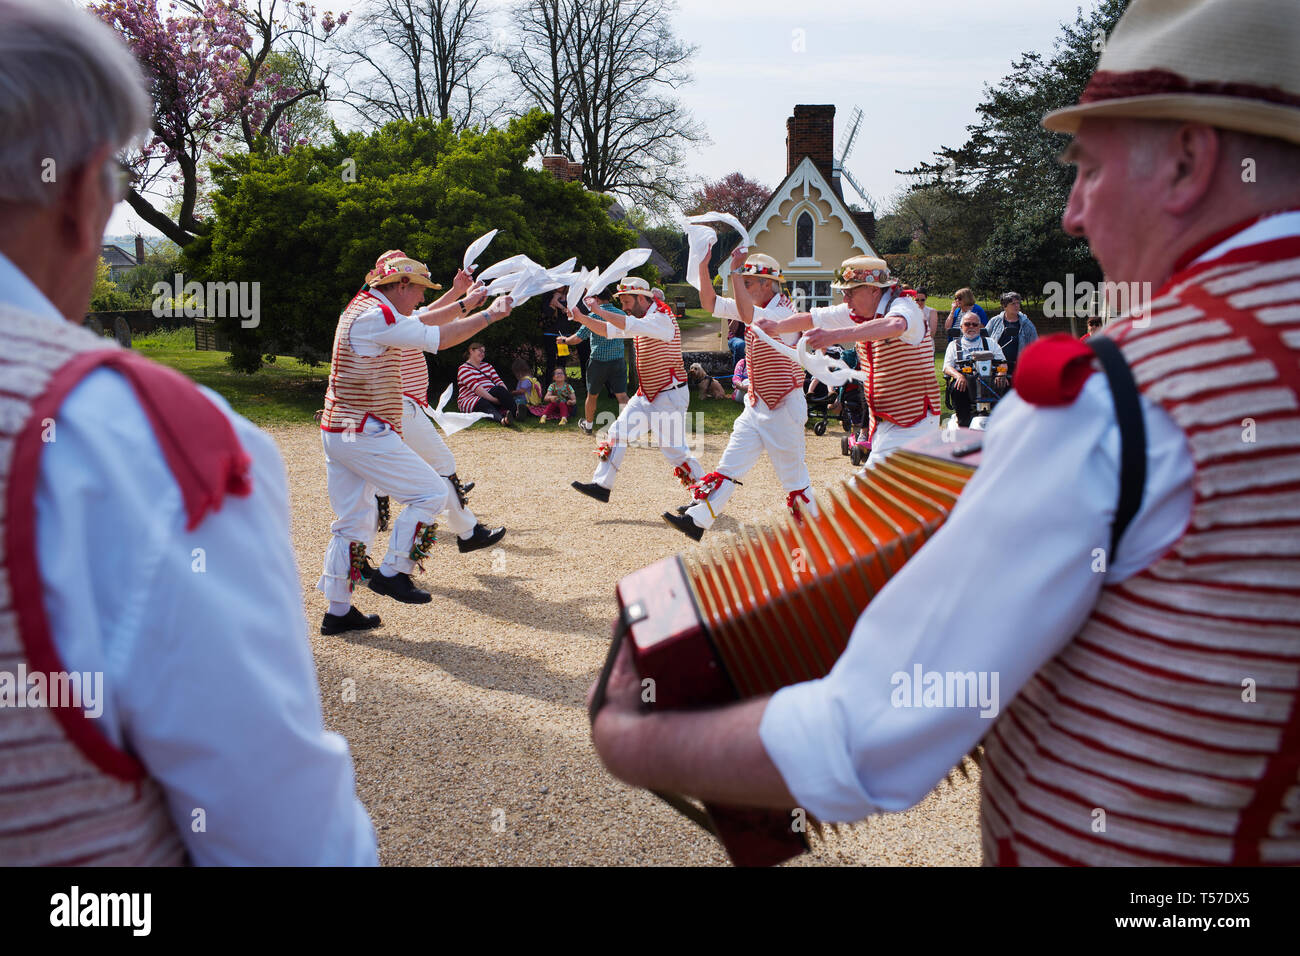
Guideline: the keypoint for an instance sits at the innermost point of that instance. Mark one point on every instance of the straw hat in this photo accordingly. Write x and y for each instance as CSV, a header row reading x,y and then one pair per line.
x,y
394,265
1227,63
633,285
863,270
765,267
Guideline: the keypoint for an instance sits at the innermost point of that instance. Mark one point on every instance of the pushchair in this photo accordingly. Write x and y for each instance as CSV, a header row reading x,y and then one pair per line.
x,y
846,400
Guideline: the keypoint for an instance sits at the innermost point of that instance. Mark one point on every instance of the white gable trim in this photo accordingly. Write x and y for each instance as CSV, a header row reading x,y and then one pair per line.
x,y
799,185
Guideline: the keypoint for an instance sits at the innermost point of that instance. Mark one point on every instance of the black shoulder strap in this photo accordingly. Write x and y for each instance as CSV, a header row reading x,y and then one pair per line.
x,y
1132,436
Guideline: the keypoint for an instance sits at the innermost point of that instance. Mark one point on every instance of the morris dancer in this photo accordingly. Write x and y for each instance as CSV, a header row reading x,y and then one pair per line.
x,y
419,431
1158,685
775,407
661,397
894,346
361,430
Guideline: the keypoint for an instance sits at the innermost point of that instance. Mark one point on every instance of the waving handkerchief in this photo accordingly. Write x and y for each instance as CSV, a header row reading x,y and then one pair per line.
x,y
619,268
578,288
830,372
534,281
452,422
727,218
504,285
504,267
564,268
701,239
475,248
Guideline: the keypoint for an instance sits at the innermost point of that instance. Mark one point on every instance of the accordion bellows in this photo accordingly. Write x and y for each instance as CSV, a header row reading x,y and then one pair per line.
x,y
750,613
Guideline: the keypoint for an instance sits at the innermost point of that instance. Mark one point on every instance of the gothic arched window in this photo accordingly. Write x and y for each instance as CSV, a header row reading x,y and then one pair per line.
x,y
803,236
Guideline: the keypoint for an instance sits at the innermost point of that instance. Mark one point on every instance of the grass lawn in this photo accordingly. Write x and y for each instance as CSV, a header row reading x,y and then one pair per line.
x,y
283,393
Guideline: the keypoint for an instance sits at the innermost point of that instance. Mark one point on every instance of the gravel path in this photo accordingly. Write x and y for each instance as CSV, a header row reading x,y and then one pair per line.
x,y
466,717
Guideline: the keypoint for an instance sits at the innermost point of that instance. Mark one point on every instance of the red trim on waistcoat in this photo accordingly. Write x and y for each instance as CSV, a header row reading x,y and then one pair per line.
x,y
204,456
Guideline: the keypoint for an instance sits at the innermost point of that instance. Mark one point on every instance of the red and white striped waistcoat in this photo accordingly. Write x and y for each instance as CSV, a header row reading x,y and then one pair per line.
x,y
772,375
362,386
1168,730
659,364
415,375
901,384
68,794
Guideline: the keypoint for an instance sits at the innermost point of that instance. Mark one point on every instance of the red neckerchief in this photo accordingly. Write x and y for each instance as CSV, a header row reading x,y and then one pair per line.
x,y
1205,245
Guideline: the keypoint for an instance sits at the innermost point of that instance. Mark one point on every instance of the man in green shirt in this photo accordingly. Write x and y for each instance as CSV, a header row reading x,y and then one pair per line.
x,y
607,366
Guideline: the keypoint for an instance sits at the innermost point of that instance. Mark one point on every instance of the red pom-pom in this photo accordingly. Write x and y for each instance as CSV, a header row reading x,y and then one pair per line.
x,y
1053,370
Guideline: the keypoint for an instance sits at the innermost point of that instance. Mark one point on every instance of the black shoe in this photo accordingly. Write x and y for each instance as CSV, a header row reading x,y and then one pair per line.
x,y
685,525
482,537
592,490
354,620
399,588
367,569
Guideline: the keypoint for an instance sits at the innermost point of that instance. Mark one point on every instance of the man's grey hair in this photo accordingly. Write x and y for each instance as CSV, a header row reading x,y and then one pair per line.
x,y
68,86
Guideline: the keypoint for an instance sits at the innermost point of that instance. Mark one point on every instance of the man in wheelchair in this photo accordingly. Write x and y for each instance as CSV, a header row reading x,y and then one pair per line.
x,y
976,372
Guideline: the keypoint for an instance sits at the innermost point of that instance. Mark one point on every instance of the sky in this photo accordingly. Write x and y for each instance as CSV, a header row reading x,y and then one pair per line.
x,y
917,68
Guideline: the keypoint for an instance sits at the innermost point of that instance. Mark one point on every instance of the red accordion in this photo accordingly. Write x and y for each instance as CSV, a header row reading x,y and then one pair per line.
x,y
750,613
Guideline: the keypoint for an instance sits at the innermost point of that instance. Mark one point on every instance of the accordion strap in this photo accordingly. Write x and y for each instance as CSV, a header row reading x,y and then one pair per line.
x,y
1132,436
679,803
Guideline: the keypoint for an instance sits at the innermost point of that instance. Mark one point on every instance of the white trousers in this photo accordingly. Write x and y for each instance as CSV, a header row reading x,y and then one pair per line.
x,y
666,417
758,429
419,431
356,465
890,436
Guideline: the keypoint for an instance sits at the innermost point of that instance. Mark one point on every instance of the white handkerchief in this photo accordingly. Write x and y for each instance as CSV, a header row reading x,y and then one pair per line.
x,y
578,288
452,422
564,267
535,280
504,267
475,248
619,268
701,239
830,372
726,217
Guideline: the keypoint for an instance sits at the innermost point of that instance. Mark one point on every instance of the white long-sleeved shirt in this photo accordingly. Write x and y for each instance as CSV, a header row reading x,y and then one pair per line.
x,y
726,308
841,317
200,636
371,333
1036,516
654,325
967,346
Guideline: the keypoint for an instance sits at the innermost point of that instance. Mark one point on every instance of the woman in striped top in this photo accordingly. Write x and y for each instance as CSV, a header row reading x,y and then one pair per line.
x,y
480,387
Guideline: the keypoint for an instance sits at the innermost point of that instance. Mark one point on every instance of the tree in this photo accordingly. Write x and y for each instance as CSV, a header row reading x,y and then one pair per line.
x,y
606,70
210,71
419,58
735,194
308,225
1004,184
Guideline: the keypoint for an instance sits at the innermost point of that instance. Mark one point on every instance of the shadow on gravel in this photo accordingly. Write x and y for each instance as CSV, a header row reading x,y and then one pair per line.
x,y
503,598
491,670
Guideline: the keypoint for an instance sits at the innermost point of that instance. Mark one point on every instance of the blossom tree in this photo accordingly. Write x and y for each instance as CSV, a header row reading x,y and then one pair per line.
x,y
214,70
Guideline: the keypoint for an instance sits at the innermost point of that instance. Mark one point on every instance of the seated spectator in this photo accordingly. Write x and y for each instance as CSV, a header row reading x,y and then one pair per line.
x,y
739,381
560,400
736,339
1011,329
972,339
1094,326
527,393
481,388
963,300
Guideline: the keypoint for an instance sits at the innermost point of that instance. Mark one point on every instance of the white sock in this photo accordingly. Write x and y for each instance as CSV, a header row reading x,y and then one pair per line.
x,y
340,608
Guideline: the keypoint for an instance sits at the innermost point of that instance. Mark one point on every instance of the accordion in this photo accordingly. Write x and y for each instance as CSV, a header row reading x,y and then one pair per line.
x,y
747,614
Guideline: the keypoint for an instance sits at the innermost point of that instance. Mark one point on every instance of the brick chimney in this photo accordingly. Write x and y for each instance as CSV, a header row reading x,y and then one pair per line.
x,y
562,168
866,221
139,248
811,132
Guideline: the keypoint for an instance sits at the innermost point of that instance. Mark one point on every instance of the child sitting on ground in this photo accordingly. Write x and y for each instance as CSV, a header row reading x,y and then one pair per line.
x,y
560,399
528,394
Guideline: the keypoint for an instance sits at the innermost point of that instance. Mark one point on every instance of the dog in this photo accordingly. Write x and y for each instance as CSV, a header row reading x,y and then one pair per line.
x,y
707,385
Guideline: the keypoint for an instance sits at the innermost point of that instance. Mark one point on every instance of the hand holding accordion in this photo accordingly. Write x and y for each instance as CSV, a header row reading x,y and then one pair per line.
x,y
775,605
